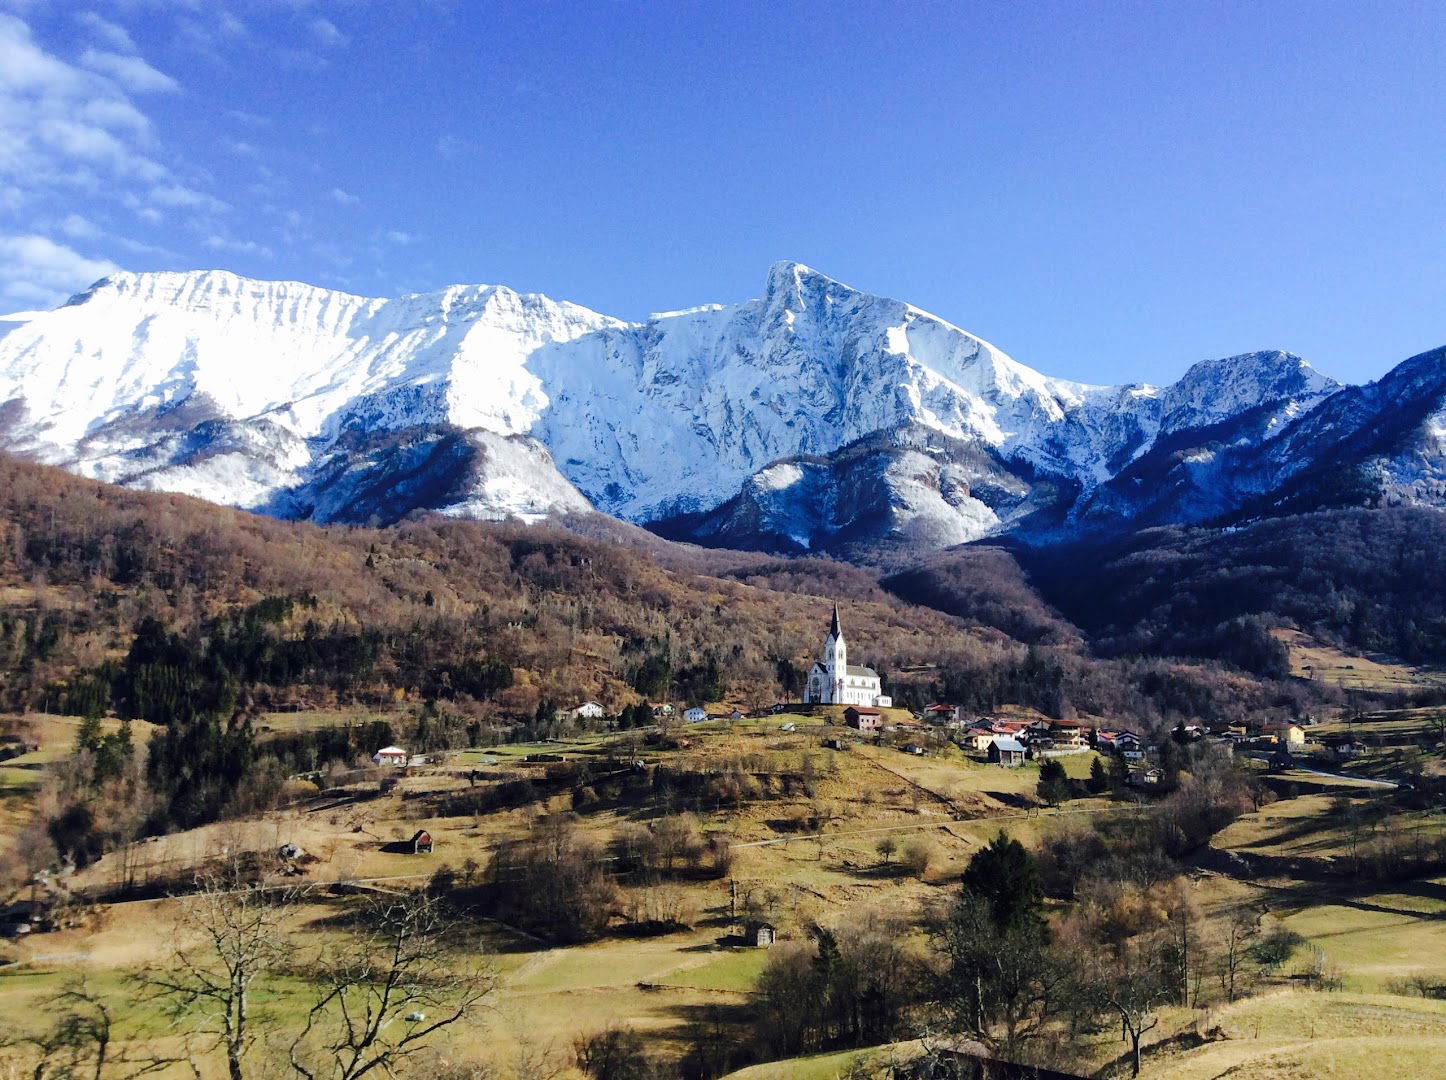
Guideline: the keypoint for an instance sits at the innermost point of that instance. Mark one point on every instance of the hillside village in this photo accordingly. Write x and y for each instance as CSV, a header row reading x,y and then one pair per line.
x,y
730,836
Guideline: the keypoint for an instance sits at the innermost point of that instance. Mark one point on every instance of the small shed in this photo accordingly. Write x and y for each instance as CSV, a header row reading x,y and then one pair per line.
x,y
1145,777
763,935
391,755
1007,752
862,717
421,842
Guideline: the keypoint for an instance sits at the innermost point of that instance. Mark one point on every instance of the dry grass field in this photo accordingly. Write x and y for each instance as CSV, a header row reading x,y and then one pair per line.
x,y
1313,659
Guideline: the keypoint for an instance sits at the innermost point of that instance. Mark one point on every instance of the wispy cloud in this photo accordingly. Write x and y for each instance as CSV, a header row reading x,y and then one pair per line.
x,y
216,242
250,119
63,125
107,32
346,198
179,196
326,33
36,272
79,228
131,72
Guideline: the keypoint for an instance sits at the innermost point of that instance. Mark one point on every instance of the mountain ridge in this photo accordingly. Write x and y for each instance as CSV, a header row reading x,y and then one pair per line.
x,y
477,400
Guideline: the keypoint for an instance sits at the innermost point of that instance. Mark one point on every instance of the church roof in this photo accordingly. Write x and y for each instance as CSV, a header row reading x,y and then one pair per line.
x,y
853,669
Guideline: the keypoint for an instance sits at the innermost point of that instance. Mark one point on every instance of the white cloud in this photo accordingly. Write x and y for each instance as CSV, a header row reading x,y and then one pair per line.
x,y
65,127
79,228
181,197
325,32
117,37
397,236
131,72
217,242
36,272
346,198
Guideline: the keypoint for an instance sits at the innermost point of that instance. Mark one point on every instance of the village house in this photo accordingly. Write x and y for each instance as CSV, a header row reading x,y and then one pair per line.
x,y
834,681
1118,741
696,715
1006,751
949,716
862,717
1068,734
1285,732
393,756
588,710
977,737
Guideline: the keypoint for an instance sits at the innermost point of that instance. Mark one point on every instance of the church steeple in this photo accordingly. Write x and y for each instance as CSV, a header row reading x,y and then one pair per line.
x,y
834,629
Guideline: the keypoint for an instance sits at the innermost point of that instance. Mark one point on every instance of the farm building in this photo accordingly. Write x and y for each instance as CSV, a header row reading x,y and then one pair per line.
x,y
421,842
862,717
391,755
1007,752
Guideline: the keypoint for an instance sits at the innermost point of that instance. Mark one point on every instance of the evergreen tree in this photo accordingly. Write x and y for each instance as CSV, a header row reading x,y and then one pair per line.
x,y
1053,785
1005,878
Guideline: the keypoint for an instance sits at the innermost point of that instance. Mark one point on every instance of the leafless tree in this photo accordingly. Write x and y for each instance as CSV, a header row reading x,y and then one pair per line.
x,y
1234,956
231,938
384,994
1134,985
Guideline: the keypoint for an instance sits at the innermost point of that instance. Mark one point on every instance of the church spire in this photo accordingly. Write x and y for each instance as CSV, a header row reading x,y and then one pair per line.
x,y
835,630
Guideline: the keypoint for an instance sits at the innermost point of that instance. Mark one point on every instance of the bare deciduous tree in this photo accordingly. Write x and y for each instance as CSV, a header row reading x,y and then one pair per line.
x,y
385,993
231,938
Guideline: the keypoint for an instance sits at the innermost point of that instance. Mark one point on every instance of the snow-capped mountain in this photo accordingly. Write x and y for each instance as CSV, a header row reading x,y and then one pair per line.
x,y
816,416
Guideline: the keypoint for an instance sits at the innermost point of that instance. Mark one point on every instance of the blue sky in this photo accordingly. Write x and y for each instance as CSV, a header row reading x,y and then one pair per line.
x,y
1109,192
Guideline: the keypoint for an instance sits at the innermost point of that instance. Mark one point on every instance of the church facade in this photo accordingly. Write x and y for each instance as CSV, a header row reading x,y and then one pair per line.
x,y
834,681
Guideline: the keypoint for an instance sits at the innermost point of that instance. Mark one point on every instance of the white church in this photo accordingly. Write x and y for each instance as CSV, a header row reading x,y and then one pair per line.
x,y
834,681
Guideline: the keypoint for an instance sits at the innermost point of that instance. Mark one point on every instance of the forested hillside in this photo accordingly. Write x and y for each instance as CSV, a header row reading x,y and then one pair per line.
x,y
497,616
123,601
1361,579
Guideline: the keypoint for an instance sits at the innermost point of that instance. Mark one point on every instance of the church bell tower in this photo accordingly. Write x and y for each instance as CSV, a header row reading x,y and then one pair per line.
x,y
835,660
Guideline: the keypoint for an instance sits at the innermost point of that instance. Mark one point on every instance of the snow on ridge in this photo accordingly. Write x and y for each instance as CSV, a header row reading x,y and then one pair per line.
x,y
644,419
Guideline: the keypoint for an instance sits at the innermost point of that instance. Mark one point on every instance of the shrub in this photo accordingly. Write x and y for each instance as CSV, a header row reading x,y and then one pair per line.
x,y
919,855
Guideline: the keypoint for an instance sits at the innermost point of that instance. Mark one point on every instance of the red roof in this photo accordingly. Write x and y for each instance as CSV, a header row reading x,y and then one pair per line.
x,y
864,710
